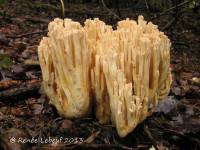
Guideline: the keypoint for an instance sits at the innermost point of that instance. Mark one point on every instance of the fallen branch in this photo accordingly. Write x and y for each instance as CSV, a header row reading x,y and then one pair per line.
x,y
169,24
92,137
147,5
181,43
75,12
5,84
187,138
25,35
104,5
20,92
62,8
29,64
146,130
91,146
37,20
170,9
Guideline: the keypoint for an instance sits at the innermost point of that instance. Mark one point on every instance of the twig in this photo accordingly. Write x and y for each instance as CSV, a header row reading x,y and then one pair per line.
x,y
175,19
147,6
25,35
86,13
62,8
115,15
5,84
170,9
117,5
169,24
37,20
151,137
175,7
189,138
196,7
30,64
92,146
180,43
92,137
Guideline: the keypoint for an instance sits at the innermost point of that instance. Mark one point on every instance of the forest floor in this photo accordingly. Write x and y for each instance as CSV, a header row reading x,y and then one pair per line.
x,y
25,113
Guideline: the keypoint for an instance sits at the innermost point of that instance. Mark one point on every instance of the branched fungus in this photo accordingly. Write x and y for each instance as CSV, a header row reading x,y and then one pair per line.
x,y
64,58
123,73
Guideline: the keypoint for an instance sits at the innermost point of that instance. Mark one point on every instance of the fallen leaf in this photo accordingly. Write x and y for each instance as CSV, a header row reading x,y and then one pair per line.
x,y
186,75
66,124
20,111
186,124
5,61
36,109
31,101
31,62
1,116
5,84
189,111
176,90
196,80
178,119
162,147
152,148
20,46
3,39
17,69
30,75
167,104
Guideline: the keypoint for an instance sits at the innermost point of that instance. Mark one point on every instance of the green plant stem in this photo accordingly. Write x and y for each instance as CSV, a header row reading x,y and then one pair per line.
x,y
62,8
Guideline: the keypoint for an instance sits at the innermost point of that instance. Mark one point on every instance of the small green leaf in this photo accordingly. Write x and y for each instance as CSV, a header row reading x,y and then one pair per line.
x,y
192,4
5,61
2,1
